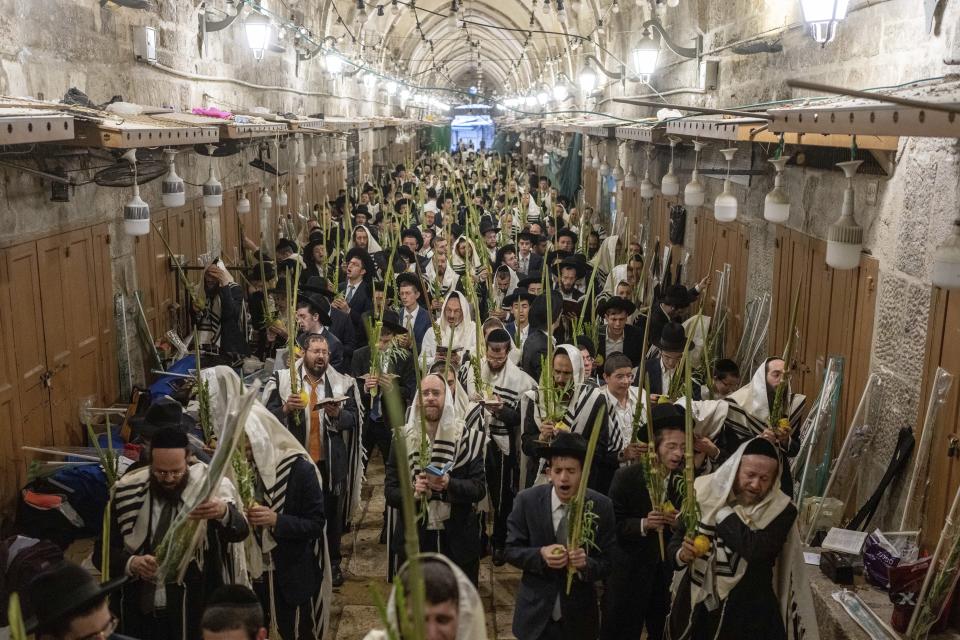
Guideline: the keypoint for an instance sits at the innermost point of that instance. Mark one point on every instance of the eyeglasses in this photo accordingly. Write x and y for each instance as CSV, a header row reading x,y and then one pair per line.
x,y
104,633
173,475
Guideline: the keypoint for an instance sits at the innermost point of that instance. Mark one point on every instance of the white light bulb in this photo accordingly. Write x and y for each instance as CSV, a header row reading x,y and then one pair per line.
x,y
694,193
670,184
243,203
136,214
212,189
845,236
172,189
776,205
725,206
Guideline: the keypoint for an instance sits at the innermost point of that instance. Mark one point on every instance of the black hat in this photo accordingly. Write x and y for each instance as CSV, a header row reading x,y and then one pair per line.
x,y
565,443
667,416
407,254
318,284
569,233
364,257
518,294
400,202
488,224
290,264
532,238
572,263
318,303
413,280
414,233
532,278
672,338
165,413
391,320
287,243
269,273
616,303
361,208
678,296
59,591
556,255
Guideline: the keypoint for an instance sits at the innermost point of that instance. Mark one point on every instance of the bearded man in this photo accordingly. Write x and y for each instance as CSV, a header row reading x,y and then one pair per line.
x,y
451,482
145,504
727,593
497,414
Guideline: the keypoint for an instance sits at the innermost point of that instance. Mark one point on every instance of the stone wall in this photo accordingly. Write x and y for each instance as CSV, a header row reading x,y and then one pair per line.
x,y
49,46
881,43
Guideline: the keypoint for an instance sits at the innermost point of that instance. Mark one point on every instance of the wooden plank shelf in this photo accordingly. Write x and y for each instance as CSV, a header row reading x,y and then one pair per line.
x,y
139,132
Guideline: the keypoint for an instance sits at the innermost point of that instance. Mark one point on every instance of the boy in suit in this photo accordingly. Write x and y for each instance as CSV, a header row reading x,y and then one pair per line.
x,y
537,532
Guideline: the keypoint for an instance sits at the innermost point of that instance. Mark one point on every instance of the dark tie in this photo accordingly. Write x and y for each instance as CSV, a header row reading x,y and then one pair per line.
x,y
562,533
350,290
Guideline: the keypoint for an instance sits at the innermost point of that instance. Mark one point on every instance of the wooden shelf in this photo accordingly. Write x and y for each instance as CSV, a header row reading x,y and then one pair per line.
x,y
143,131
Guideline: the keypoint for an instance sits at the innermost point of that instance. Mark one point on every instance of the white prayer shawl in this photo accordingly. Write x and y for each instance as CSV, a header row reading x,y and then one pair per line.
x,y
340,385
499,295
509,383
372,245
471,623
464,334
449,280
452,443
533,212
275,450
605,260
458,264
716,574
697,327
579,411
750,413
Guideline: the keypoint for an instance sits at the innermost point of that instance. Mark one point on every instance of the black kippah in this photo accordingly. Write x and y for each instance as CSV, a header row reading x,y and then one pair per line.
x,y
498,336
761,447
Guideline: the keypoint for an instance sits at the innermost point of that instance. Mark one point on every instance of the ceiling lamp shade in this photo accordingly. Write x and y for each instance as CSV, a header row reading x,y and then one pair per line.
x,y
172,189
257,27
300,168
823,17
212,189
694,194
645,56
282,197
630,180
845,236
776,206
670,184
595,163
946,261
243,203
560,92
604,168
725,206
266,202
618,172
587,79
312,160
647,189
136,213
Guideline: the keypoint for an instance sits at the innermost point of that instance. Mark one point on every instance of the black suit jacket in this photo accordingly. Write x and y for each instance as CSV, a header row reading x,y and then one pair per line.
x,y
299,526
655,377
335,346
534,347
530,527
406,381
632,344
342,327
536,263
362,302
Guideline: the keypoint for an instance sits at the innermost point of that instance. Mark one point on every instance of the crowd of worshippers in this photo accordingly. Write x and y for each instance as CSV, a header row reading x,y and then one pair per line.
x,y
427,309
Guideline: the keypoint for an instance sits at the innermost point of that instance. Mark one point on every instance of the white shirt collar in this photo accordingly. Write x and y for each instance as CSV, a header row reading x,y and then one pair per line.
x,y
555,501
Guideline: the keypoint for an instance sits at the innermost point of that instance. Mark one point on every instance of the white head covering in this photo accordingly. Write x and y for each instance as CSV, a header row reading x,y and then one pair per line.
x,y
464,334
457,263
471,622
717,573
752,397
372,245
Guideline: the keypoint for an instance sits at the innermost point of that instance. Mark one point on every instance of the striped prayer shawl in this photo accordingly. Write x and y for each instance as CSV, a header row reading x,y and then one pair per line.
x,y
509,383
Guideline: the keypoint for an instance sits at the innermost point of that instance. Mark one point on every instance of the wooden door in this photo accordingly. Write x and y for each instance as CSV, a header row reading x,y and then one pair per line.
x,y
230,247
109,381
943,350
29,348
12,471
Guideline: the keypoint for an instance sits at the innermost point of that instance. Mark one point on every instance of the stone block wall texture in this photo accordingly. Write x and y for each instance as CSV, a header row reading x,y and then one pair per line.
x,y
880,44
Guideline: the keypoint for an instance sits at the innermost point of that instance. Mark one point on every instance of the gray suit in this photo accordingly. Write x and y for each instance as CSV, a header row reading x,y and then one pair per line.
x,y
530,527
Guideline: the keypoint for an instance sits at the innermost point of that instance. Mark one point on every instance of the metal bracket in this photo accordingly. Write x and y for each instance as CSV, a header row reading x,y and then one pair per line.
x,y
694,52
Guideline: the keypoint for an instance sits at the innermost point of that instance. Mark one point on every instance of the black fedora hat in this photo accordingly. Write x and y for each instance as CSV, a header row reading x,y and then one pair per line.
x,y
61,590
672,338
488,224
364,257
532,278
569,233
318,284
616,303
319,304
678,296
413,280
566,444
532,238
391,320
518,294
414,233
257,274
165,413
572,263
667,416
